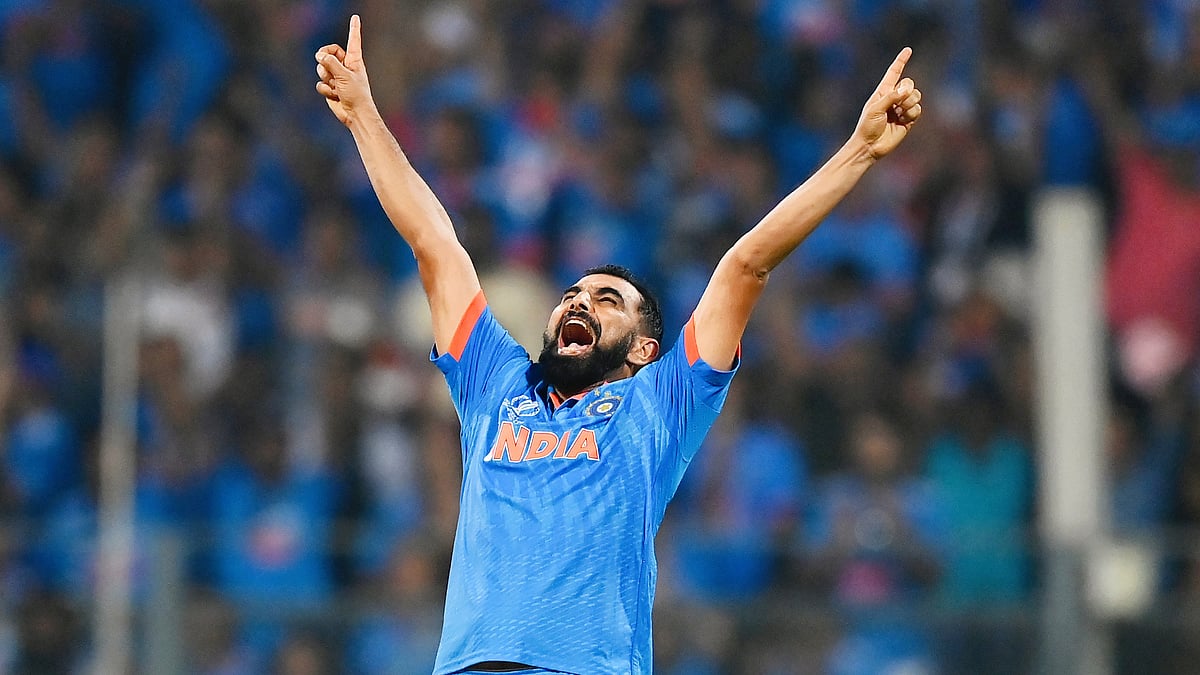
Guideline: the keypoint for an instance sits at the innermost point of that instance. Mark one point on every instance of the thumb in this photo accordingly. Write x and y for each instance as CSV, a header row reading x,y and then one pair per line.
x,y
354,41
884,100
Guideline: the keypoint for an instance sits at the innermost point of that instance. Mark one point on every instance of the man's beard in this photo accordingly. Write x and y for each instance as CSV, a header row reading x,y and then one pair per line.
x,y
573,374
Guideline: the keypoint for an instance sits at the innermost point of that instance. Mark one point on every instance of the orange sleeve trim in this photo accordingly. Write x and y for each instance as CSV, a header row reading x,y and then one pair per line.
x,y
690,348
466,325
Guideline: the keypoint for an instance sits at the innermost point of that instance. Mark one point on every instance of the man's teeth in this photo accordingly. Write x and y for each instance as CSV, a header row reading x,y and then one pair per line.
x,y
576,330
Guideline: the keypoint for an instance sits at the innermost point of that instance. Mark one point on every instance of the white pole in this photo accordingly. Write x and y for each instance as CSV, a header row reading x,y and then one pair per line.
x,y
112,618
1071,387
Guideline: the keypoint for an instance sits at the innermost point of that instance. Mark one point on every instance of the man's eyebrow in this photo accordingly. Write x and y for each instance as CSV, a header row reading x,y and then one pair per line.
x,y
603,290
609,290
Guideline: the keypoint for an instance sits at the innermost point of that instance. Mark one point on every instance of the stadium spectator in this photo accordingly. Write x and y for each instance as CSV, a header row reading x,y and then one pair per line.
x,y
878,535
402,635
984,477
271,523
738,506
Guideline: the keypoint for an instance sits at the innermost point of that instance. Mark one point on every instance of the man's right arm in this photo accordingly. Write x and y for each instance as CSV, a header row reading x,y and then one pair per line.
x,y
446,271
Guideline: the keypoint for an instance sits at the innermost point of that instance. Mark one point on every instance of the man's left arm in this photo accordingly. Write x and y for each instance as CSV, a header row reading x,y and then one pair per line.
x,y
739,279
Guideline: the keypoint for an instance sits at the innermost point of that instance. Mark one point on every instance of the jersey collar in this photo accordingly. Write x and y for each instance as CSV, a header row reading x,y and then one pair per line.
x,y
557,400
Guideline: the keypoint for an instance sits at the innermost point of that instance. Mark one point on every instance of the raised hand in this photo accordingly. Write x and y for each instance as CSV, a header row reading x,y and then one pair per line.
x,y
891,111
343,76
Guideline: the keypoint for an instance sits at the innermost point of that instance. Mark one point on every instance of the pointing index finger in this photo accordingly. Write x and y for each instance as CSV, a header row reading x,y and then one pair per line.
x,y
354,40
892,76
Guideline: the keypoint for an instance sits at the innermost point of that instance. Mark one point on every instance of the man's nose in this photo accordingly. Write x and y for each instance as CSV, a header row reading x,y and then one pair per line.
x,y
581,301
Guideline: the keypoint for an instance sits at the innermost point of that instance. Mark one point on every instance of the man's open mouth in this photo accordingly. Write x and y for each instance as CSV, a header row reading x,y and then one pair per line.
x,y
575,337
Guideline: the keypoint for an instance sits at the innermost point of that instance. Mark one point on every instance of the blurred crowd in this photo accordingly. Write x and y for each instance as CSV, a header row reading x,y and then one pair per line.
x,y
866,503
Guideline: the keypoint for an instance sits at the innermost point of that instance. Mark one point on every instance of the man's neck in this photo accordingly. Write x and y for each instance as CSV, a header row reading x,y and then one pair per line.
x,y
559,395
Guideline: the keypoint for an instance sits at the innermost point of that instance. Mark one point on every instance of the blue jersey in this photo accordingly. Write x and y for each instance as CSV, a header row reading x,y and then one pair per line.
x,y
554,554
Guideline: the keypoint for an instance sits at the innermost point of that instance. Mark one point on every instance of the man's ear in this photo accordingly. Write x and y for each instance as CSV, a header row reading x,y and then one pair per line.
x,y
643,351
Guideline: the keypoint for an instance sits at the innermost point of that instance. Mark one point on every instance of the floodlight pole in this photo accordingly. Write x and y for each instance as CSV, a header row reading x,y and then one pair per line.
x,y
1071,405
112,616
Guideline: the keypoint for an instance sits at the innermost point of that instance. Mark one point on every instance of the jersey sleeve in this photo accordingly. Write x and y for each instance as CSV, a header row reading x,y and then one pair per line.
x,y
690,393
479,354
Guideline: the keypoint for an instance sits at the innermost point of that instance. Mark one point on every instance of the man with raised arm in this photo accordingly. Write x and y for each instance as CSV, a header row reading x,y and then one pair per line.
x,y
569,462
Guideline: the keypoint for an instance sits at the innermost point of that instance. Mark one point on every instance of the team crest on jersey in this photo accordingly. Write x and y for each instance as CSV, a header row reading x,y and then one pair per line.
x,y
521,406
605,405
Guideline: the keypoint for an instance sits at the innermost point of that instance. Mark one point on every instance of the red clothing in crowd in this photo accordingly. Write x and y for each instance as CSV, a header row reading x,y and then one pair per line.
x,y
1154,262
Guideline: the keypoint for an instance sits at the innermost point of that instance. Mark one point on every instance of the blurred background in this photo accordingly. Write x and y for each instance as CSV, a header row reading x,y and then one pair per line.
x,y
208,325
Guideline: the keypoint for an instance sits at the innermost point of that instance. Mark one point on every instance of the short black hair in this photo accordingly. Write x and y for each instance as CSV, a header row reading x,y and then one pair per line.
x,y
652,321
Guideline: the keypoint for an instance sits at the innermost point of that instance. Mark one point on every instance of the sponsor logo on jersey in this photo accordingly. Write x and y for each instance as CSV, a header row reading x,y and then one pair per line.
x,y
517,443
521,406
